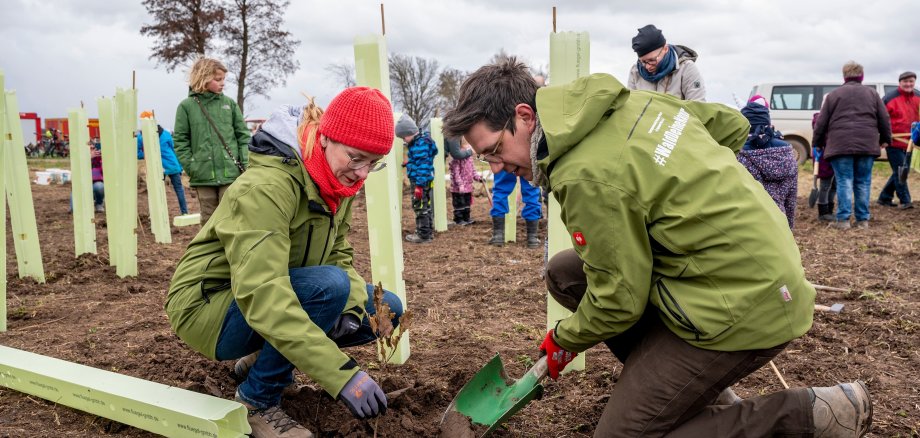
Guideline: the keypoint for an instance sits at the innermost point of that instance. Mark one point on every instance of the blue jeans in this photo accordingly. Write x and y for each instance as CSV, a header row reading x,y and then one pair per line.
x,y
98,195
176,181
504,185
854,175
323,292
896,158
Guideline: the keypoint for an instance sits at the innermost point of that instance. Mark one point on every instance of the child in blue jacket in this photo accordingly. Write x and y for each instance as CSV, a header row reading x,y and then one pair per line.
x,y
420,170
171,166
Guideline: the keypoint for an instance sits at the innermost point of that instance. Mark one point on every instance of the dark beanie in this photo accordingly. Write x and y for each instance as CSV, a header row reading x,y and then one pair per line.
x,y
756,114
649,38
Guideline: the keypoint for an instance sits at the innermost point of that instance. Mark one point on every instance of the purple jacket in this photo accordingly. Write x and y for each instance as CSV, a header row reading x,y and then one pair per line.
x,y
462,173
777,170
96,165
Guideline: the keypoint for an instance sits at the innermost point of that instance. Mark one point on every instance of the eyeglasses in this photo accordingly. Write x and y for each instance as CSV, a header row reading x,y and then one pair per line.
x,y
491,156
655,60
358,163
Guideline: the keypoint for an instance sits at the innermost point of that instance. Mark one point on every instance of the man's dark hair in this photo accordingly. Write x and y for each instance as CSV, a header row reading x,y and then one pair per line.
x,y
490,94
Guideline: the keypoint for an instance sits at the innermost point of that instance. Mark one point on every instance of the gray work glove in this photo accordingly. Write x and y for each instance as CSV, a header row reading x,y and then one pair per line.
x,y
346,325
363,397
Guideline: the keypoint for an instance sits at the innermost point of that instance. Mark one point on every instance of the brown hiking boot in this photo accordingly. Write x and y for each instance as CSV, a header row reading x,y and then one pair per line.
x,y
242,366
844,410
275,423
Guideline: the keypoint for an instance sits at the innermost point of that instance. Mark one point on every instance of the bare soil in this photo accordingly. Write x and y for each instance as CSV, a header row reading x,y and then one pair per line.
x,y
471,301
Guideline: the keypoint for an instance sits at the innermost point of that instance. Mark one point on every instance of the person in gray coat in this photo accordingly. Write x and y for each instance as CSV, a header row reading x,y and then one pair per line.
x,y
852,128
665,68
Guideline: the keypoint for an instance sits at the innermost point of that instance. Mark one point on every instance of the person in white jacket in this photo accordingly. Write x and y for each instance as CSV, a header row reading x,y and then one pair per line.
x,y
665,68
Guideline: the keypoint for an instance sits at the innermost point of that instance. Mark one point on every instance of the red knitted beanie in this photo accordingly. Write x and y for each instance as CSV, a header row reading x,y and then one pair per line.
x,y
360,117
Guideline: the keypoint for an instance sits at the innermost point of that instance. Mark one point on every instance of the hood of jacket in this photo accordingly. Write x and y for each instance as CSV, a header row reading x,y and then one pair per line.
x,y
685,53
774,164
277,137
576,112
205,95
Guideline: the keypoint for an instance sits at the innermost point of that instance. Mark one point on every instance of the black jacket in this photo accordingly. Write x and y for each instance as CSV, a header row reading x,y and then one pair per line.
x,y
853,121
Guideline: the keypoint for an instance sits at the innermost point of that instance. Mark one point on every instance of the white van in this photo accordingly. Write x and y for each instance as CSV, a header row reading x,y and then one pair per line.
x,y
792,106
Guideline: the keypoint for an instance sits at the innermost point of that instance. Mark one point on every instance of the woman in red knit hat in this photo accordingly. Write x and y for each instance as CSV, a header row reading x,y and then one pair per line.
x,y
269,279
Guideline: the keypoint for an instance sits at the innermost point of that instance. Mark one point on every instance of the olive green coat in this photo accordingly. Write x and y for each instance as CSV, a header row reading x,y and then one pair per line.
x,y
662,214
271,219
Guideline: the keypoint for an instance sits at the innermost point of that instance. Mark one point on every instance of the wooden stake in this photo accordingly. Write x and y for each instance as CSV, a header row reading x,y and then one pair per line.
x,y
781,379
830,289
383,23
133,79
554,19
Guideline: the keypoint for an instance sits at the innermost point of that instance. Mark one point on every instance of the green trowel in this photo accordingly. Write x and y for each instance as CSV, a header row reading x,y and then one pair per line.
x,y
490,398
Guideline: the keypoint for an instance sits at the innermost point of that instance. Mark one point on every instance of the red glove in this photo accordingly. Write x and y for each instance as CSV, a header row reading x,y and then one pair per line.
x,y
556,357
418,193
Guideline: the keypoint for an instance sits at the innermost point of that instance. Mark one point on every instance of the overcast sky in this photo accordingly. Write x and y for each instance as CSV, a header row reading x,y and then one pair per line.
x,y
56,53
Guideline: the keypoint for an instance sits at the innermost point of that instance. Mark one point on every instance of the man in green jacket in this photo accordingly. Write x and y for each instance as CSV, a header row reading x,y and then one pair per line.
x,y
210,136
681,264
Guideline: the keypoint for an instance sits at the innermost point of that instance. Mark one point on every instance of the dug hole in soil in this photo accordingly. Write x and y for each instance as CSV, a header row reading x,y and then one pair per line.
x,y
470,301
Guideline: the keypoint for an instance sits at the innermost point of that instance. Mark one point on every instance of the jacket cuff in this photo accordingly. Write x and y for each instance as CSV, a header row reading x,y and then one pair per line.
x,y
562,338
356,311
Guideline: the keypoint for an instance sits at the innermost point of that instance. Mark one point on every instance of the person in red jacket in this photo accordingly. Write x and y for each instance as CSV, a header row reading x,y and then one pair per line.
x,y
903,107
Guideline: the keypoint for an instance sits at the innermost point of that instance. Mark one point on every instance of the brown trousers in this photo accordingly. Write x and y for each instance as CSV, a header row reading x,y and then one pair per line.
x,y
668,387
208,199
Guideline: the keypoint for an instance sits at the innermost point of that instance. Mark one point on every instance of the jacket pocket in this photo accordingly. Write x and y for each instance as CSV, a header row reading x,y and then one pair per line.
x,y
202,164
699,314
672,308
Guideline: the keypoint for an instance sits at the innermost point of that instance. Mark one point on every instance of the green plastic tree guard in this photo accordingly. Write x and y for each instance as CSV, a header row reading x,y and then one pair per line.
x,y
156,190
187,219
126,191
81,184
439,190
117,124
109,166
511,216
19,196
569,59
5,143
154,407
383,191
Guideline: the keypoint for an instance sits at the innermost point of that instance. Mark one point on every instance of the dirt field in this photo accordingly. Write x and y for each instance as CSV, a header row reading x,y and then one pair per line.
x,y
470,302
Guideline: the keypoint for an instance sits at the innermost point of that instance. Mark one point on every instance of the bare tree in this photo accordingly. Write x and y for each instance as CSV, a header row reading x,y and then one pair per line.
x,y
501,55
414,83
449,82
182,29
535,70
258,51
343,73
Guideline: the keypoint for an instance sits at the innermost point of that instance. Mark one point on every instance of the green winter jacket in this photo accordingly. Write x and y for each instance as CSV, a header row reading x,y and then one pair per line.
x,y
197,146
662,213
271,219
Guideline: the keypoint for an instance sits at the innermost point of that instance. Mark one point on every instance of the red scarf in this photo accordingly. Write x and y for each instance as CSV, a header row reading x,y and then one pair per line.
x,y
330,189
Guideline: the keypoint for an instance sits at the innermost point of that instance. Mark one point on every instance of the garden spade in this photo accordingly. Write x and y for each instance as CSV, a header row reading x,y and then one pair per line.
x,y
813,196
490,398
904,169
